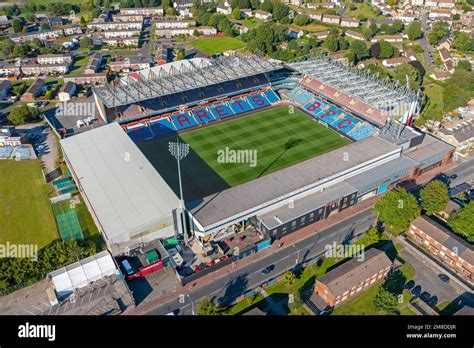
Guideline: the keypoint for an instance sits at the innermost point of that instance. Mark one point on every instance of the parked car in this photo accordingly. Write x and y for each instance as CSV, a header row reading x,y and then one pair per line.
x,y
268,269
410,284
444,278
425,296
416,291
433,301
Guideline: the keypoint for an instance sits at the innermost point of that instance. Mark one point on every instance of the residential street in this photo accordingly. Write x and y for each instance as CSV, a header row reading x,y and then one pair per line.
x,y
228,287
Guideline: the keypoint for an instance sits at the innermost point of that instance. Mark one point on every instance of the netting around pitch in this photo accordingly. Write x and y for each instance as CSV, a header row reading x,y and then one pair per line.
x,y
67,221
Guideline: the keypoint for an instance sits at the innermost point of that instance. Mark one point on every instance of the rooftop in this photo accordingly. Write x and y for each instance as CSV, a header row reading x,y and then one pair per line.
x,y
281,185
354,272
445,237
127,196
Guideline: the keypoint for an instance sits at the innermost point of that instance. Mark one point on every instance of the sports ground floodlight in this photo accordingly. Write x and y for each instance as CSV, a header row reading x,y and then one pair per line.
x,y
180,151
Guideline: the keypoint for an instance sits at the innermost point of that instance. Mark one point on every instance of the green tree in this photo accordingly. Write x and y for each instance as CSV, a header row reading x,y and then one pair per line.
x,y
386,301
434,197
406,70
360,50
21,114
372,235
236,14
463,222
86,43
414,31
397,209
83,21
391,2
465,65
463,42
331,42
45,26
459,89
17,25
301,20
289,278
207,307
386,50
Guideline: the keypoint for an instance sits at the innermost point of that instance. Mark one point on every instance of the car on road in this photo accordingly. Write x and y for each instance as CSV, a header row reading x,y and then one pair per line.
x,y
425,296
433,301
410,284
268,269
416,291
444,278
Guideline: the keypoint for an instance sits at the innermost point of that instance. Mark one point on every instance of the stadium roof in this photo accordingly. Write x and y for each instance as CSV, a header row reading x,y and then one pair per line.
x,y
179,77
126,193
217,209
357,83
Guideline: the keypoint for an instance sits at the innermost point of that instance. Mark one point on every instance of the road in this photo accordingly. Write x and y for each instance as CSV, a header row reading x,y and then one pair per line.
x,y
225,289
429,56
464,172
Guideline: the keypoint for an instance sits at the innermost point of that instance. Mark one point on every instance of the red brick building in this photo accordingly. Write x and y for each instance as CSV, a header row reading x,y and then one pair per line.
x,y
354,276
452,250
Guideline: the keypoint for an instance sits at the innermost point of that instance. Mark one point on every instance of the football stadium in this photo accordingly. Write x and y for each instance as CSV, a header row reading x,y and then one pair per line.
x,y
273,147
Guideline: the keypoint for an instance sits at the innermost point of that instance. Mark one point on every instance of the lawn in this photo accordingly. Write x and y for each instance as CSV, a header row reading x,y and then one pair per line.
x,y
280,139
362,11
25,210
277,138
435,105
46,2
214,45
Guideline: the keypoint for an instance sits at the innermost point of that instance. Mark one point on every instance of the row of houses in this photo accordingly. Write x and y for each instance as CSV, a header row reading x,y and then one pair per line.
x,y
115,26
342,21
204,31
435,3
47,34
361,273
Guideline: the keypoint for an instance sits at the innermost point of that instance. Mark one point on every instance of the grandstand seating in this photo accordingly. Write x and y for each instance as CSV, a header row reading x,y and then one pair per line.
x,y
344,123
139,133
6,151
160,125
362,132
183,120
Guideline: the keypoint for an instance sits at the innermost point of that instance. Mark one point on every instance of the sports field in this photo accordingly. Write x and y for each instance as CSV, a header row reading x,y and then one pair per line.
x,y
214,45
25,210
269,141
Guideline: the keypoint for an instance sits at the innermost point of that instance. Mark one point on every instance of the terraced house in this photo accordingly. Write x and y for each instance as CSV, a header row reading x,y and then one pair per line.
x,y
452,250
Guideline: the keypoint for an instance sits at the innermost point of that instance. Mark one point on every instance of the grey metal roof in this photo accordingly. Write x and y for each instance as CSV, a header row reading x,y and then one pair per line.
x,y
386,171
286,182
126,193
195,74
429,147
305,205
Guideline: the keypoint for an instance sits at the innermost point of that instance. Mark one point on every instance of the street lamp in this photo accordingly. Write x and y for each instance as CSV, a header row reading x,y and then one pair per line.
x,y
180,151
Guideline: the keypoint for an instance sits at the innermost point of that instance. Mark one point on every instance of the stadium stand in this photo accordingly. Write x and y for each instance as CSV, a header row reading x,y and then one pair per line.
x,y
5,152
141,131
344,123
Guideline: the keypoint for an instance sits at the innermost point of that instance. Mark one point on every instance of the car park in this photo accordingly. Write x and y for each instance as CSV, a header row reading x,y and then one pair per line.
x,y
416,291
425,296
410,284
433,301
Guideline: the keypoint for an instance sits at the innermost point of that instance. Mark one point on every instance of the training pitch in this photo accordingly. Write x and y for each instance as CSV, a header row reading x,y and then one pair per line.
x,y
236,151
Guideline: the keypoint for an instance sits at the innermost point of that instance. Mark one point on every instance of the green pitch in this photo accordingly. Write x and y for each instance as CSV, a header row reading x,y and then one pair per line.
x,y
214,45
274,138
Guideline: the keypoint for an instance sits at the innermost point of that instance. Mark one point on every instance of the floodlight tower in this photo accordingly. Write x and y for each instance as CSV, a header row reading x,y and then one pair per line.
x,y
180,151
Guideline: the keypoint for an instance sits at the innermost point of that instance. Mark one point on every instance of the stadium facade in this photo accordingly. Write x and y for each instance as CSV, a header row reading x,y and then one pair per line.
x,y
132,203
